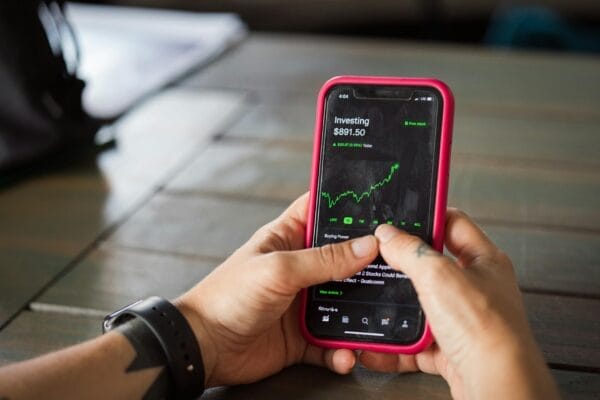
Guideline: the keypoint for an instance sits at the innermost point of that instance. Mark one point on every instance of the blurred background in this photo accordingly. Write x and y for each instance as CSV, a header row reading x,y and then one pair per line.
x,y
572,25
104,57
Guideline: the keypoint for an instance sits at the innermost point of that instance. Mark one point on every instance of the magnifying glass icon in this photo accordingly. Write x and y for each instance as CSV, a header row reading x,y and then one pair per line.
x,y
365,321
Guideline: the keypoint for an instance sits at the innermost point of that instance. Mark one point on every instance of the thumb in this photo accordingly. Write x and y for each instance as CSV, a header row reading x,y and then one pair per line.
x,y
422,264
307,267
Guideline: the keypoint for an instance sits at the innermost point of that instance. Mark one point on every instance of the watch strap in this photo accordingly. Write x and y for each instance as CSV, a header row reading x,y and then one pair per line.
x,y
176,338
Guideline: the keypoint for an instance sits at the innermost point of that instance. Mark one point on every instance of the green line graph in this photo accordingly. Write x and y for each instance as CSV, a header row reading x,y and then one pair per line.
x,y
359,196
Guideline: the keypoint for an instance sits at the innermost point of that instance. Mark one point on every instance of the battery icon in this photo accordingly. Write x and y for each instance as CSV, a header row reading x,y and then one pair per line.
x,y
347,220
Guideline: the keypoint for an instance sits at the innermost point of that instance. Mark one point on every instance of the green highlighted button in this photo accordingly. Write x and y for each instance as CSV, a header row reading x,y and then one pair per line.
x,y
330,292
415,123
347,220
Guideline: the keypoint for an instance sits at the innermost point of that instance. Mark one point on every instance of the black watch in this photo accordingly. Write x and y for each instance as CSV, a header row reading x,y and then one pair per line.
x,y
176,338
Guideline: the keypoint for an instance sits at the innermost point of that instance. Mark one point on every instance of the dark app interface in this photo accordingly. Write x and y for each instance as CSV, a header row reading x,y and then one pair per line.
x,y
377,167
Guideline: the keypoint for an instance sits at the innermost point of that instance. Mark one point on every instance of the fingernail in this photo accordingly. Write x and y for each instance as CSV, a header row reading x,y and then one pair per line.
x,y
363,246
384,233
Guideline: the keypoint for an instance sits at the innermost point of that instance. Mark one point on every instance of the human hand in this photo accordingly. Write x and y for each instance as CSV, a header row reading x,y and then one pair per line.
x,y
246,312
484,347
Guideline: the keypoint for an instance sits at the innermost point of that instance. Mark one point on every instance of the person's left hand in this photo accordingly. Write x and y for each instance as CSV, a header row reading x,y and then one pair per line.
x,y
246,312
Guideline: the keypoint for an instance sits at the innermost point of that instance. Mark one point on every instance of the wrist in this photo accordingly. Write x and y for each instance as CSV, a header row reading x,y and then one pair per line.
x,y
514,369
203,336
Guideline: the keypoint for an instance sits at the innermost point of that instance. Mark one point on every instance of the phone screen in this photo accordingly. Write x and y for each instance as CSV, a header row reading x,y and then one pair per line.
x,y
378,165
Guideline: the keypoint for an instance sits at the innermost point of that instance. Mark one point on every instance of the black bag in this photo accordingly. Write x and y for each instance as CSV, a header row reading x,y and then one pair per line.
x,y
41,112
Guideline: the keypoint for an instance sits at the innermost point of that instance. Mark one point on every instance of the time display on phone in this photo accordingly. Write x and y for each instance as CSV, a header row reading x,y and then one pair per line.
x,y
377,166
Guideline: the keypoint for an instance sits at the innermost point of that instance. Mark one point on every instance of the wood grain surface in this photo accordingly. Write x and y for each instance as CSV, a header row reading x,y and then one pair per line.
x,y
199,167
23,339
194,225
112,277
525,82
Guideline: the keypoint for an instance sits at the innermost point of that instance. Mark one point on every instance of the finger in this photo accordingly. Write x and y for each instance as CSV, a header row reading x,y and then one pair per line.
x,y
465,239
428,361
340,361
384,362
412,256
298,210
307,267
286,232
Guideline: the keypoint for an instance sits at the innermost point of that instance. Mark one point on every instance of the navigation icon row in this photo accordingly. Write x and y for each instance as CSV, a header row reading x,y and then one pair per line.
x,y
366,320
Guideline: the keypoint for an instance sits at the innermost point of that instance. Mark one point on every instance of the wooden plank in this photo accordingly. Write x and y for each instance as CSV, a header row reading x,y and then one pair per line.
x,y
480,78
291,383
48,219
552,261
364,384
567,329
546,141
156,139
511,194
111,278
539,141
34,333
547,260
46,222
194,225
246,169
283,122
24,271
557,321
577,385
63,208
521,195
502,137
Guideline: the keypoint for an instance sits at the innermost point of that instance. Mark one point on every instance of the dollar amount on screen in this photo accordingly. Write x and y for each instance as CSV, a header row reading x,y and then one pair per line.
x,y
349,131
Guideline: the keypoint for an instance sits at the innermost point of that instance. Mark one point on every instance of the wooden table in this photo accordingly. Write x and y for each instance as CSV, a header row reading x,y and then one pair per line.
x,y
201,165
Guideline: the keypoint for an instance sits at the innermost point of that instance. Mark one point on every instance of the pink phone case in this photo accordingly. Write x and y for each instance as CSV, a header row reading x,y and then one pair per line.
x,y
440,204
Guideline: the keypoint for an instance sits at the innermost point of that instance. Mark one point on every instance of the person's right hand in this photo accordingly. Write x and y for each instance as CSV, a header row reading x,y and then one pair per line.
x,y
484,347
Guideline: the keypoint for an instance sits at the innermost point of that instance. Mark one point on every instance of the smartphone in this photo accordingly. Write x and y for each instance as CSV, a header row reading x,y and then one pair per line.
x,y
381,156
